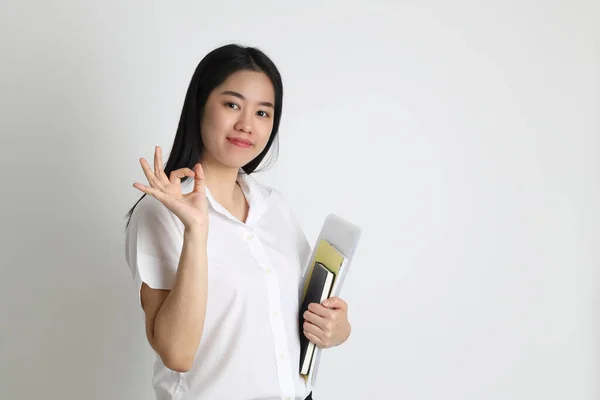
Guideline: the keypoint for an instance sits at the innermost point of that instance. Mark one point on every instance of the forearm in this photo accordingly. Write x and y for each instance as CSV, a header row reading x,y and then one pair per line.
x,y
180,320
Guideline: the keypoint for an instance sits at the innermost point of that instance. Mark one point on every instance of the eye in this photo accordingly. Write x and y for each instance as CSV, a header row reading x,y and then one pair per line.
x,y
263,113
232,105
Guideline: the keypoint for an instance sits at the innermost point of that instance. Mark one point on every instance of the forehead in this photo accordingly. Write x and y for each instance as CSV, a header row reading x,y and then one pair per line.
x,y
255,86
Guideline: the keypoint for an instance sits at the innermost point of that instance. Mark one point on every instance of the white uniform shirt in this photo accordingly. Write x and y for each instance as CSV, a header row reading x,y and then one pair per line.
x,y
250,345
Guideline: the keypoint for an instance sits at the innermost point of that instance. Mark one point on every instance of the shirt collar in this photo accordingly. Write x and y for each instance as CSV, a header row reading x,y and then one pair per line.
x,y
252,191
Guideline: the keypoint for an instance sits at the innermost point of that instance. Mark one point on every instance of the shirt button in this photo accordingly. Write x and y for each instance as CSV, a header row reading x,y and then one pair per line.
x,y
249,237
268,270
275,313
282,356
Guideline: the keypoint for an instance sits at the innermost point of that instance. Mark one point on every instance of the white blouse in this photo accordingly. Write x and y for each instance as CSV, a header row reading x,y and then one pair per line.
x,y
250,346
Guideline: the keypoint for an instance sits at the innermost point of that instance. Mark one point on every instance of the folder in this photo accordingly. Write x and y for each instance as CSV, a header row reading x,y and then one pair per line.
x,y
334,248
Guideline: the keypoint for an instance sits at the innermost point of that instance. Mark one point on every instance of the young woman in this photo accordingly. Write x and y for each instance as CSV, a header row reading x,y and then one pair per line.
x,y
216,257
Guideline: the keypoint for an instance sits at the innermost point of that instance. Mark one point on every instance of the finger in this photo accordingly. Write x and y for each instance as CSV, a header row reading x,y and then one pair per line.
x,y
321,310
315,319
176,175
336,303
199,182
314,338
158,168
314,329
149,174
156,193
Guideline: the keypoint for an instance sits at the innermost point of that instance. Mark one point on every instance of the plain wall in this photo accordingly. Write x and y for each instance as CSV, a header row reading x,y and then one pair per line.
x,y
463,137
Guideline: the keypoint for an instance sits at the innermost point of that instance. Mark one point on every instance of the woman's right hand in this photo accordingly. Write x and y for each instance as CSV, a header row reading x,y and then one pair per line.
x,y
191,208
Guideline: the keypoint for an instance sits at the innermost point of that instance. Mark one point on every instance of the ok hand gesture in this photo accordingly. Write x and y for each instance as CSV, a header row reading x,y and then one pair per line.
x,y
191,208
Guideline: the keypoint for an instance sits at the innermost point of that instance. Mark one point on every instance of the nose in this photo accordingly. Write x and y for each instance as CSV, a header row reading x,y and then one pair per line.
x,y
244,123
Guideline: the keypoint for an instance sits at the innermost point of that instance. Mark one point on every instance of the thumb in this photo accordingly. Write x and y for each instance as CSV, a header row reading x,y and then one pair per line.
x,y
199,182
335,303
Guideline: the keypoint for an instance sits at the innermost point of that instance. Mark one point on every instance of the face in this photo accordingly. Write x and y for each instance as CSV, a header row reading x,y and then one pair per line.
x,y
238,119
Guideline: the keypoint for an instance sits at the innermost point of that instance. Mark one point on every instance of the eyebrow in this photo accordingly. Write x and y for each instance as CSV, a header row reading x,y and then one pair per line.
x,y
240,96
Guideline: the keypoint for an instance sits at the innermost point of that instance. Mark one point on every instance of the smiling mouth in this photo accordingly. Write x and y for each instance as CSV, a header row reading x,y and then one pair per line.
x,y
240,142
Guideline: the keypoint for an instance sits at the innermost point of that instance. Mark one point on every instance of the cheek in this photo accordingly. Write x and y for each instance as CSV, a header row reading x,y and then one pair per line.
x,y
209,118
264,133
213,124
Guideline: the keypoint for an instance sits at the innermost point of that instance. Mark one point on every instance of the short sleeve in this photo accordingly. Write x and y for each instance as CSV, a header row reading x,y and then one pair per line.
x,y
154,239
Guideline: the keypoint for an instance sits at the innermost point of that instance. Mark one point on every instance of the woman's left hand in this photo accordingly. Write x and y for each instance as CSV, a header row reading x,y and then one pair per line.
x,y
326,324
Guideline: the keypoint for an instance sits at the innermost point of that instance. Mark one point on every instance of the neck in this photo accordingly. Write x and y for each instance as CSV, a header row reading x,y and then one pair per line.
x,y
221,181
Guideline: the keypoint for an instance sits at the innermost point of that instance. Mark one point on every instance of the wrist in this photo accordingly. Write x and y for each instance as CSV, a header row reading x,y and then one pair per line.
x,y
196,232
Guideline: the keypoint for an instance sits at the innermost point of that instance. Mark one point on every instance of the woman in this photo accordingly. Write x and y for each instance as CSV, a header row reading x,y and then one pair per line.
x,y
218,258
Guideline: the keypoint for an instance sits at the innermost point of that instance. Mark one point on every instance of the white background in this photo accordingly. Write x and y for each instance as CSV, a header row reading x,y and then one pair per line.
x,y
463,137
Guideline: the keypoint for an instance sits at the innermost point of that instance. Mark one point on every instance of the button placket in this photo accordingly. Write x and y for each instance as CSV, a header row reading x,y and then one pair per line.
x,y
284,369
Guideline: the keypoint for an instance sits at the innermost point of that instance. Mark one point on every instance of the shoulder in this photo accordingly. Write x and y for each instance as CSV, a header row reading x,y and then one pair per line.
x,y
274,197
268,193
153,230
149,212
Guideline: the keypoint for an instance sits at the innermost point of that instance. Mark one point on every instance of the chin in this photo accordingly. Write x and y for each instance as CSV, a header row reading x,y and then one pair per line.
x,y
234,162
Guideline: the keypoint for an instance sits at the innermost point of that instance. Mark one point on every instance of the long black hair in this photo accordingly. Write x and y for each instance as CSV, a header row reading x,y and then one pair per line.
x,y
212,71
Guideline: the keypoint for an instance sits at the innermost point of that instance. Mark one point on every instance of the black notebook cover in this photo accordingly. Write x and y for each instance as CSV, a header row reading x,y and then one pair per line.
x,y
318,289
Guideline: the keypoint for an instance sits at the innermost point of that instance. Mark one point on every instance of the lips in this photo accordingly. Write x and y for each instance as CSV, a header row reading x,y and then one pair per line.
x,y
240,142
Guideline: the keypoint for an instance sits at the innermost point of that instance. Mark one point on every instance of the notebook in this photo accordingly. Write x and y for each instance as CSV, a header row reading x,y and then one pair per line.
x,y
318,289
